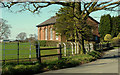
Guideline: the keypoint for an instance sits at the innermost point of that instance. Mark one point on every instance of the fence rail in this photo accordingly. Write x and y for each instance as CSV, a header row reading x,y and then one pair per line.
x,y
38,50
18,51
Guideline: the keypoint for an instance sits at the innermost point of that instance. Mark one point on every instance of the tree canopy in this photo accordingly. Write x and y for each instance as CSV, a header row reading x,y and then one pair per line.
x,y
80,15
105,25
109,25
4,29
21,36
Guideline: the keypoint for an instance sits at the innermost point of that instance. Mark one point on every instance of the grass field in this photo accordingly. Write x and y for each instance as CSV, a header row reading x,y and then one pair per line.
x,y
10,51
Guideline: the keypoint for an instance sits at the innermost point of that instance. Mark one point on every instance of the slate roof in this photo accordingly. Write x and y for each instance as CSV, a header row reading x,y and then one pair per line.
x,y
52,21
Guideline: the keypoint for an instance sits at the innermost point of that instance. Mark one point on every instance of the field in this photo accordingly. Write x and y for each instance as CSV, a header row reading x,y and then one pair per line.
x,y
10,51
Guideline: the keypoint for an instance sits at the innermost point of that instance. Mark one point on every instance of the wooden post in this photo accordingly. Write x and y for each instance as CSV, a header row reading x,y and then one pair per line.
x,y
30,51
4,52
60,52
37,51
18,53
38,56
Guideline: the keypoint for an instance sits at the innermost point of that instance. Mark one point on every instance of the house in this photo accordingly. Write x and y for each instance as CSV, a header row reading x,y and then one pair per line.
x,y
46,32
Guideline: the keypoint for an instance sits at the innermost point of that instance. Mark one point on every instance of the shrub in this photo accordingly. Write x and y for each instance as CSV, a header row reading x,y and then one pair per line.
x,y
118,35
116,41
95,54
107,37
44,43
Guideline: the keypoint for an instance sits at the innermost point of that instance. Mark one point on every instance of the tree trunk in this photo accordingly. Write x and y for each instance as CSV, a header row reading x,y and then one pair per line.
x,y
78,35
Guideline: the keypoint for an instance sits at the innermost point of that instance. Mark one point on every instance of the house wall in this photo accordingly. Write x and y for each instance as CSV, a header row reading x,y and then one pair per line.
x,y
95,26
41,33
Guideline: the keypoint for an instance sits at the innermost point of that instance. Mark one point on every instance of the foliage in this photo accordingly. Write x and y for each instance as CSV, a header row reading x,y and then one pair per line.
x,y
74,29
118,35
109,25
65,23
95,54
21,36
45,43
4,29
105,25
108,37
116,41
12,69
115,26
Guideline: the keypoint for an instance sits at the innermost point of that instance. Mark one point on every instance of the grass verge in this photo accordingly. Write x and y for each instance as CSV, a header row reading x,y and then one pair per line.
x,y
32,68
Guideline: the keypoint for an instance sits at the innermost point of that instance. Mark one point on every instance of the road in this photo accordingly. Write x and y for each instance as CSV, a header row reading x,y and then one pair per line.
x,y
107,64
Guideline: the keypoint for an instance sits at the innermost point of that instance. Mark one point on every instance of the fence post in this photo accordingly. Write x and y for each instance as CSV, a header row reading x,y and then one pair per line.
x,y
75,48
78,49
72,47
60,52
38,52
64,49
4,52
30,51
18,52
94,46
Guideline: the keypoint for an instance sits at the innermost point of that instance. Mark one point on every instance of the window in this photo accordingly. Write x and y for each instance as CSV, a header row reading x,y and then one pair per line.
x,y
56,36
96,38
46,34
51,34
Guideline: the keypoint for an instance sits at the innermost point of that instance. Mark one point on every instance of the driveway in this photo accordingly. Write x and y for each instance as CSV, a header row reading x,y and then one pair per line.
x,y
107,64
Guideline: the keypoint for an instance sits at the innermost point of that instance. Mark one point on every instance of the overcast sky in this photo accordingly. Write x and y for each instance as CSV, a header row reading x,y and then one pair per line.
x,y
27,21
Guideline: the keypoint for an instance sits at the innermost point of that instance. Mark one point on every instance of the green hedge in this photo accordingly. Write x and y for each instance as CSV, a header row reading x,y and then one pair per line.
x,y
116,42
45,43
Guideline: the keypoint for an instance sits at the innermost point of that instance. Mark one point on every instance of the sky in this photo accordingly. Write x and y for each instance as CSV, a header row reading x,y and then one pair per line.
x,y
27,21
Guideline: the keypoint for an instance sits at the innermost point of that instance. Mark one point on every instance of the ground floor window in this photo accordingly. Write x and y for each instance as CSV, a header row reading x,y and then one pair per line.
x,y
51,34
56,36
46,33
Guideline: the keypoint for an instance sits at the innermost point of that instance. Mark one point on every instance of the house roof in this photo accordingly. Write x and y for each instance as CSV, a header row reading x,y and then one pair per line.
x,y
52,20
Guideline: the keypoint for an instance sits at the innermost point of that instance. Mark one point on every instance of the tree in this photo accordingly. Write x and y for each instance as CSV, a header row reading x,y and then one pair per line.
x,y
21,36
79,15
4,29
66,25
105,26
115,26
32,37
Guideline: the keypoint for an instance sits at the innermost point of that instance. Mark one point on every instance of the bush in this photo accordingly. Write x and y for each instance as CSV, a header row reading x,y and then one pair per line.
x,y
107,37
44,43
95,54
116,41
118,35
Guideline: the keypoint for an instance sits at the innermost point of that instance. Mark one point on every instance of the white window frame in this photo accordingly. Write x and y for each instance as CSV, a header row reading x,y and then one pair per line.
x,y
46,34
57,36
51,34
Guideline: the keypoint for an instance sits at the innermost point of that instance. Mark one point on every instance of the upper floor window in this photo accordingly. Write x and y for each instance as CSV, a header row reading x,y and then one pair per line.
x,y
51,34
46,34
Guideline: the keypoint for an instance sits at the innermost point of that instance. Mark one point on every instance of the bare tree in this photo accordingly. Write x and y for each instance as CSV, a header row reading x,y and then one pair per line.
x,y
21,36
32,36
4,29
80,15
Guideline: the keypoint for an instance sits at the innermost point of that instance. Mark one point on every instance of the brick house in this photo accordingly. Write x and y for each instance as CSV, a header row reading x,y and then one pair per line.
x,y
46,32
